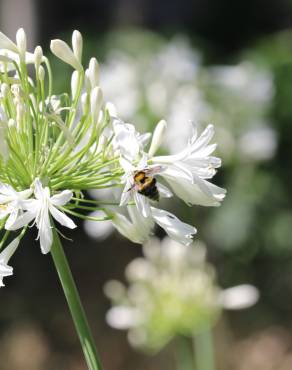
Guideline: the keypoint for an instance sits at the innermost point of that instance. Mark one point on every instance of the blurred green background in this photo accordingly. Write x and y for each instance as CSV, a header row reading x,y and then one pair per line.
x,y
229,63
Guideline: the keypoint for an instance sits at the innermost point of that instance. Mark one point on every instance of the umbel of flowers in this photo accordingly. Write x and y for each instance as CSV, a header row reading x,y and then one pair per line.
x,y
54,148
172,291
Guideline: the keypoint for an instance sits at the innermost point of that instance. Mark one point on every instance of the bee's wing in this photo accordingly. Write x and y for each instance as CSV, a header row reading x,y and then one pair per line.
x,y
154,170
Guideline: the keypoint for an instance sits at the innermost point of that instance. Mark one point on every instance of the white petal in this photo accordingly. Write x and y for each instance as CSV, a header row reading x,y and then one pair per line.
x,y
126,195
6,43
8,252
11,219
25,194
62,198
204,138
31,205
201,192
62,218
239,297
5,270
46,238
176,229
143,225
4,212
22,220
164,191
38,189
126,228
142,204
122,317
126,165
6,189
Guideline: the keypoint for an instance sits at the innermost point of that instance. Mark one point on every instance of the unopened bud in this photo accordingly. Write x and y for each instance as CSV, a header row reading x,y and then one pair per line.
x,y
74,84
101,144
38,56
41,73
157,137
84,102
93,72
87,81
96,100
62,51
112,110
19,112
21,42
11,123
77,45
4,90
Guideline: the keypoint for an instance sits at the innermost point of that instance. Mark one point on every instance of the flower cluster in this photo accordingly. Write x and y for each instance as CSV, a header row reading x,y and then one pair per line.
x,y
53,148
172,291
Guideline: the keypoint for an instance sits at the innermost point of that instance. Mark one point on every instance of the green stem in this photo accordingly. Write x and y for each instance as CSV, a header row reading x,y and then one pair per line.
x,y
75,305
184,355
204,350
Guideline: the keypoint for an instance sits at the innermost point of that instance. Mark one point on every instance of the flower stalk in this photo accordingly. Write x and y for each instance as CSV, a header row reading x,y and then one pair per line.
x,y
75,305
204,350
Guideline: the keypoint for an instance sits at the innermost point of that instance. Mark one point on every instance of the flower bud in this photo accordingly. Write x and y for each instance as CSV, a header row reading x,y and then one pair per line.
x,y
101,145
19,113
84,102
62,51
93,72
38,56
21,42
11,123
41,73
4,90
87,82
77,45
74,84
112,110
157,137
96,100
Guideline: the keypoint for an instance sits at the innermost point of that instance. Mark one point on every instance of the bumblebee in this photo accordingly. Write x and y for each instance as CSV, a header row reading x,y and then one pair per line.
x,y
146,185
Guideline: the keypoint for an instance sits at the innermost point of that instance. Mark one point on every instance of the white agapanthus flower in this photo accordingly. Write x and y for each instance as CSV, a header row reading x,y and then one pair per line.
x,y
189,171
11,202
175,228
40,209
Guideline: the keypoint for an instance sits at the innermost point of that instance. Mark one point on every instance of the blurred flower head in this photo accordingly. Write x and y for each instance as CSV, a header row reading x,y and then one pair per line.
x,y
172,291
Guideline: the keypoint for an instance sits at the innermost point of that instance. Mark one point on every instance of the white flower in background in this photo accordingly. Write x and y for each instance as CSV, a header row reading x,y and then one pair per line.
x,y
246,80
174,286
5,255
188,171
258,143
239,297
119,79
98,230
40,209
11,203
